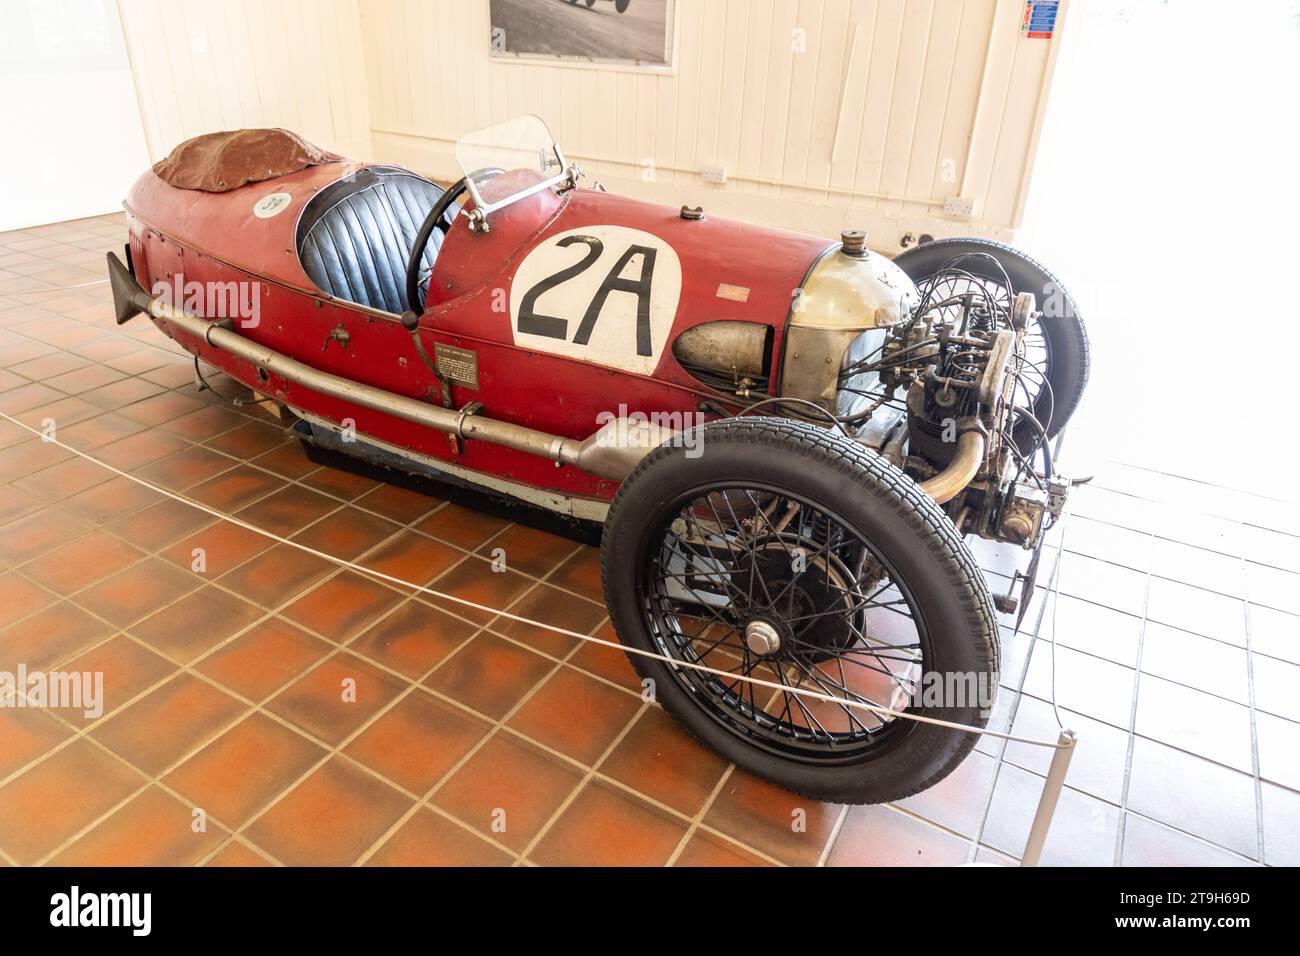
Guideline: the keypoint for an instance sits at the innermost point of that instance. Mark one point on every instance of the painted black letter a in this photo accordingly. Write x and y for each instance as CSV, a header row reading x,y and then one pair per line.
x,y
615,282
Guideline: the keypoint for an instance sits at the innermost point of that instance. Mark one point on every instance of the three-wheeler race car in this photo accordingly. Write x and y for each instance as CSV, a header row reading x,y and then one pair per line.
x,y
787,439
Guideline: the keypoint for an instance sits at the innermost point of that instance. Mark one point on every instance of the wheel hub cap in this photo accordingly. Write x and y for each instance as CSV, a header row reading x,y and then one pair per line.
x,y
762,638
817,615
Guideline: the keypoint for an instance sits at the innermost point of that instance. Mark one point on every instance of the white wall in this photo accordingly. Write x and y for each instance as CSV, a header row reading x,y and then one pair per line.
x,y
207,65
73,142
891,106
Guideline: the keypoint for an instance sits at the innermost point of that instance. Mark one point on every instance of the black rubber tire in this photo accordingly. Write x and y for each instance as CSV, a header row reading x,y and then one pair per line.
x,y
887,509
1069,358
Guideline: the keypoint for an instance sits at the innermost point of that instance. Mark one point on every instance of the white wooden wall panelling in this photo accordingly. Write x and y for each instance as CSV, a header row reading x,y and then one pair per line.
x,y
822,111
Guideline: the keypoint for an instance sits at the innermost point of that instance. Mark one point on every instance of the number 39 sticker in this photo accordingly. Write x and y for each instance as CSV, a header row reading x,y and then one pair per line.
x,y
272,204
603,294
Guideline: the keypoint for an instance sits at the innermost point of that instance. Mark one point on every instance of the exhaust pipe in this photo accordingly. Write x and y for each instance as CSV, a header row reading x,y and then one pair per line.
x,y
960,472
611,452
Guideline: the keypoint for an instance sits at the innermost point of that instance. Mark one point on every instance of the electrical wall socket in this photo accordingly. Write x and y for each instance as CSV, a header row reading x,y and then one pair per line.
x,y
959,206
714,174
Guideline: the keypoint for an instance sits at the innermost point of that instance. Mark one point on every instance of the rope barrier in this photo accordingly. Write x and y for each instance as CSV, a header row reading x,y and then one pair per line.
x,y
875,709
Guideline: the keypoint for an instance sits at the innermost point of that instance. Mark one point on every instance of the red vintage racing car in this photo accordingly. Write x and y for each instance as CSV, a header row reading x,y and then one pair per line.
x,y
786,438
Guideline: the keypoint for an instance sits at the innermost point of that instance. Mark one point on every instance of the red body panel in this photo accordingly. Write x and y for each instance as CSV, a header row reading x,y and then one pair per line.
x,y
222,225
215,237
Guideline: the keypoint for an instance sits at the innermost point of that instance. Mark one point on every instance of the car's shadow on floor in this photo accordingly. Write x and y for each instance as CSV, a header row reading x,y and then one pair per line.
x,y
509,509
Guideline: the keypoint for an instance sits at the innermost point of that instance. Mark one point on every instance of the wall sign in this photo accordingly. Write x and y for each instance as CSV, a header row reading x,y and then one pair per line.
x,y
1039,21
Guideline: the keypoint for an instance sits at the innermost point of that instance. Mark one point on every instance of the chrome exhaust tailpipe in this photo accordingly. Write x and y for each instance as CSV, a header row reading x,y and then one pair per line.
x,y
611,452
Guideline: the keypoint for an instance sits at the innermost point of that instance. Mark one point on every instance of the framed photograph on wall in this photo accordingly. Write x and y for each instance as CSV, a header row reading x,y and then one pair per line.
x,y
636,33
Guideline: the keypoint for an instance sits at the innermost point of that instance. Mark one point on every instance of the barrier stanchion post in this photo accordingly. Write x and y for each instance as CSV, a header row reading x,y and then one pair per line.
x,y
1051,794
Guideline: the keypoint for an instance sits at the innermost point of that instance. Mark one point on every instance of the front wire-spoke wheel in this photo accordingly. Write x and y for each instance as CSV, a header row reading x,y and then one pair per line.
x,y
759,583
789,555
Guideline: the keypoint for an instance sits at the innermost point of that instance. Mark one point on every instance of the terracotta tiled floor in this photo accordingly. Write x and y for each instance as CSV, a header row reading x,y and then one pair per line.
x,y
478,741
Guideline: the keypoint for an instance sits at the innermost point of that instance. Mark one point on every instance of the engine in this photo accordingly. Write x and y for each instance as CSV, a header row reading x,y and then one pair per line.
x,y
949,395
945,379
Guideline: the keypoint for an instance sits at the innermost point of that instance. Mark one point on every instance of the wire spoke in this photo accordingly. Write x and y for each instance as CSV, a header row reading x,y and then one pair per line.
x,y
767,559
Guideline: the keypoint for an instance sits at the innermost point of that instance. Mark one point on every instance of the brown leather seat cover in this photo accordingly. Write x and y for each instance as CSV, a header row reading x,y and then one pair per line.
x,y
219,162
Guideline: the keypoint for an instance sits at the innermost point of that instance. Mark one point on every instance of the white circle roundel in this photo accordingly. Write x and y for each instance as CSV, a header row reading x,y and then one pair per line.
x,y
272,204
602,294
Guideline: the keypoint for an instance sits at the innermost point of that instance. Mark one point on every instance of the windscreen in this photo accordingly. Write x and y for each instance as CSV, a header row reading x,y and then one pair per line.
x,y
523,143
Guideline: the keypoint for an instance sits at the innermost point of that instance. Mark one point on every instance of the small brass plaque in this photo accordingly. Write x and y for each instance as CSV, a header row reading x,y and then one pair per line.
x,y
457,365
